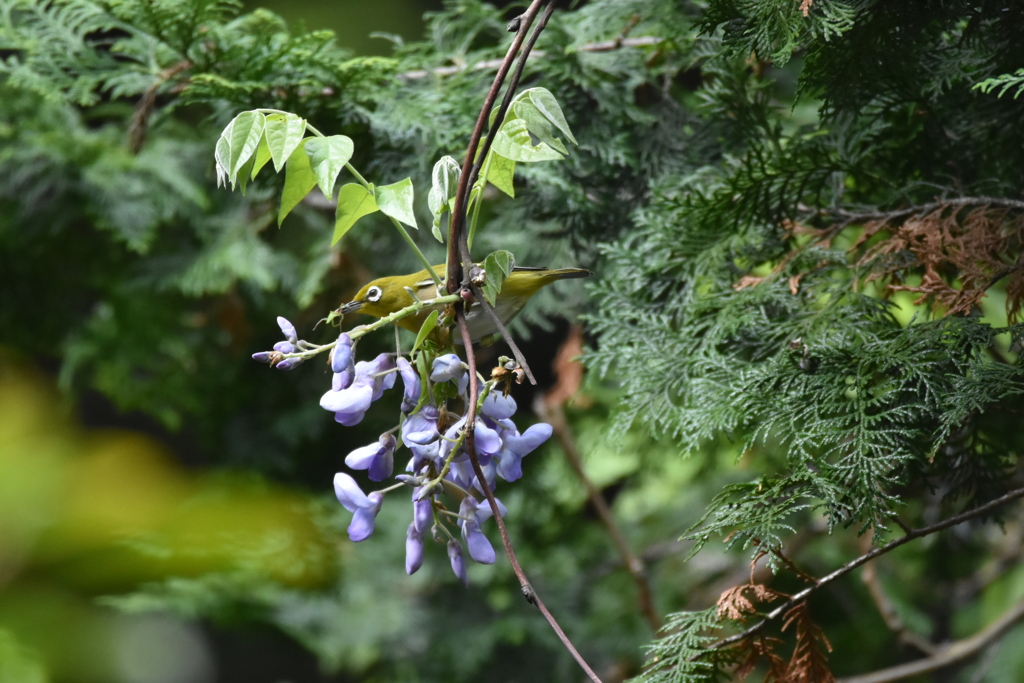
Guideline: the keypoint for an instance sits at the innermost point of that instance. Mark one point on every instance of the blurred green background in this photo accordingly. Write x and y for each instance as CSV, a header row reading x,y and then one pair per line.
x,y
165,505
354,22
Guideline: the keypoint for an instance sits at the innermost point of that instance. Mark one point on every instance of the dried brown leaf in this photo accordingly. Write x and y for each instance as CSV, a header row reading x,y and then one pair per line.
x,y
959,252
733,604
747,281
568,369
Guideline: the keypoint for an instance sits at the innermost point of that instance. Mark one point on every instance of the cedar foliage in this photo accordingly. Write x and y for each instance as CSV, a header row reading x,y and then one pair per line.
x,y
756,249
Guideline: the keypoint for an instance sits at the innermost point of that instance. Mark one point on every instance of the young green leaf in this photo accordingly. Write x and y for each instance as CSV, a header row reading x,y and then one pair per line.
x,y
244,174
395,200
498,266
261,157
513,142
548,106
298,181
354,202
327,156
426,328
444,183
237,143
501,173
538,125
283,133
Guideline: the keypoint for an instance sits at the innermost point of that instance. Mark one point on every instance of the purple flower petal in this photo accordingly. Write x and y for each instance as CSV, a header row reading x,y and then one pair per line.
x,y
480,549
285,347
447,367
423,454
341,355
458,564
528,440
411,382
422,511
356,398
366,371
510,466
363,519
382,466
421,428
349,419
288,364
287,329
341,380
348,493
413,550
486,439
261,357
461,474
362,458
498,406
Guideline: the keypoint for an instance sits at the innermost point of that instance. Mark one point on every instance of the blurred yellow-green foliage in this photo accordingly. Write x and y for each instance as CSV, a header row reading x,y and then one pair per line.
x,y
90,512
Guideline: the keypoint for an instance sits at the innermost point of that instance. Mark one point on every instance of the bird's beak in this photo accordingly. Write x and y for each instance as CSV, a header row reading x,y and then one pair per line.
x,y
351,307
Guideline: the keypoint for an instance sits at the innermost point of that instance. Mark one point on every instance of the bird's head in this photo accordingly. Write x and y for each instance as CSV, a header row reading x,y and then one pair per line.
x,y
381,297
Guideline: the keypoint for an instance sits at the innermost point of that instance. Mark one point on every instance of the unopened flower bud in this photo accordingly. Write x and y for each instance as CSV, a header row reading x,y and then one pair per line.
x,y
341,354
458,564
413,550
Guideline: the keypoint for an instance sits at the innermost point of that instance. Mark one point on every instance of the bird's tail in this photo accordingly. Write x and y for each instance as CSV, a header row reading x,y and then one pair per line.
x,y
568,273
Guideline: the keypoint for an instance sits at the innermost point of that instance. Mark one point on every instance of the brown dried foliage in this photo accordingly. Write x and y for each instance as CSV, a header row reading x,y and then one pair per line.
x,y
960,252
733,604
807,664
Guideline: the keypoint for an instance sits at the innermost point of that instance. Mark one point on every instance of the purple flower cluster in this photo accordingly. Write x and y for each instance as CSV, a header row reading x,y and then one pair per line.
x,y
436,449
439,462
291,344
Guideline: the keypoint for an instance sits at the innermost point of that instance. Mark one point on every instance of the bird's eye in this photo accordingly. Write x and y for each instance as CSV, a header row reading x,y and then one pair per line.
x,y
373,294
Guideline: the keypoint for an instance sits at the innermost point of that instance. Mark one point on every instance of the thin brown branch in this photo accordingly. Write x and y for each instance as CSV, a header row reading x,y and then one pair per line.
x,y
520,358
139,124
458,213
867,557
554,414
602,46
855,216
953,653
470,446
888,611
506,102
777,552
460,265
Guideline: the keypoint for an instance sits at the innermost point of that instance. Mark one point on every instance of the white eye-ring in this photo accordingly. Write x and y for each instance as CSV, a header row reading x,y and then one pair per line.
x,y
373,294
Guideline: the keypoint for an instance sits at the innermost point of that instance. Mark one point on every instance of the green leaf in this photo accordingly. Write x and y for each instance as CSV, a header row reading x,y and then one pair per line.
x,y
444,185
426,328
513,142
237,143
501,173
298,181
395,200
354,202
548,106
498,266
327,156
244,174
283,133
538,125
261,158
